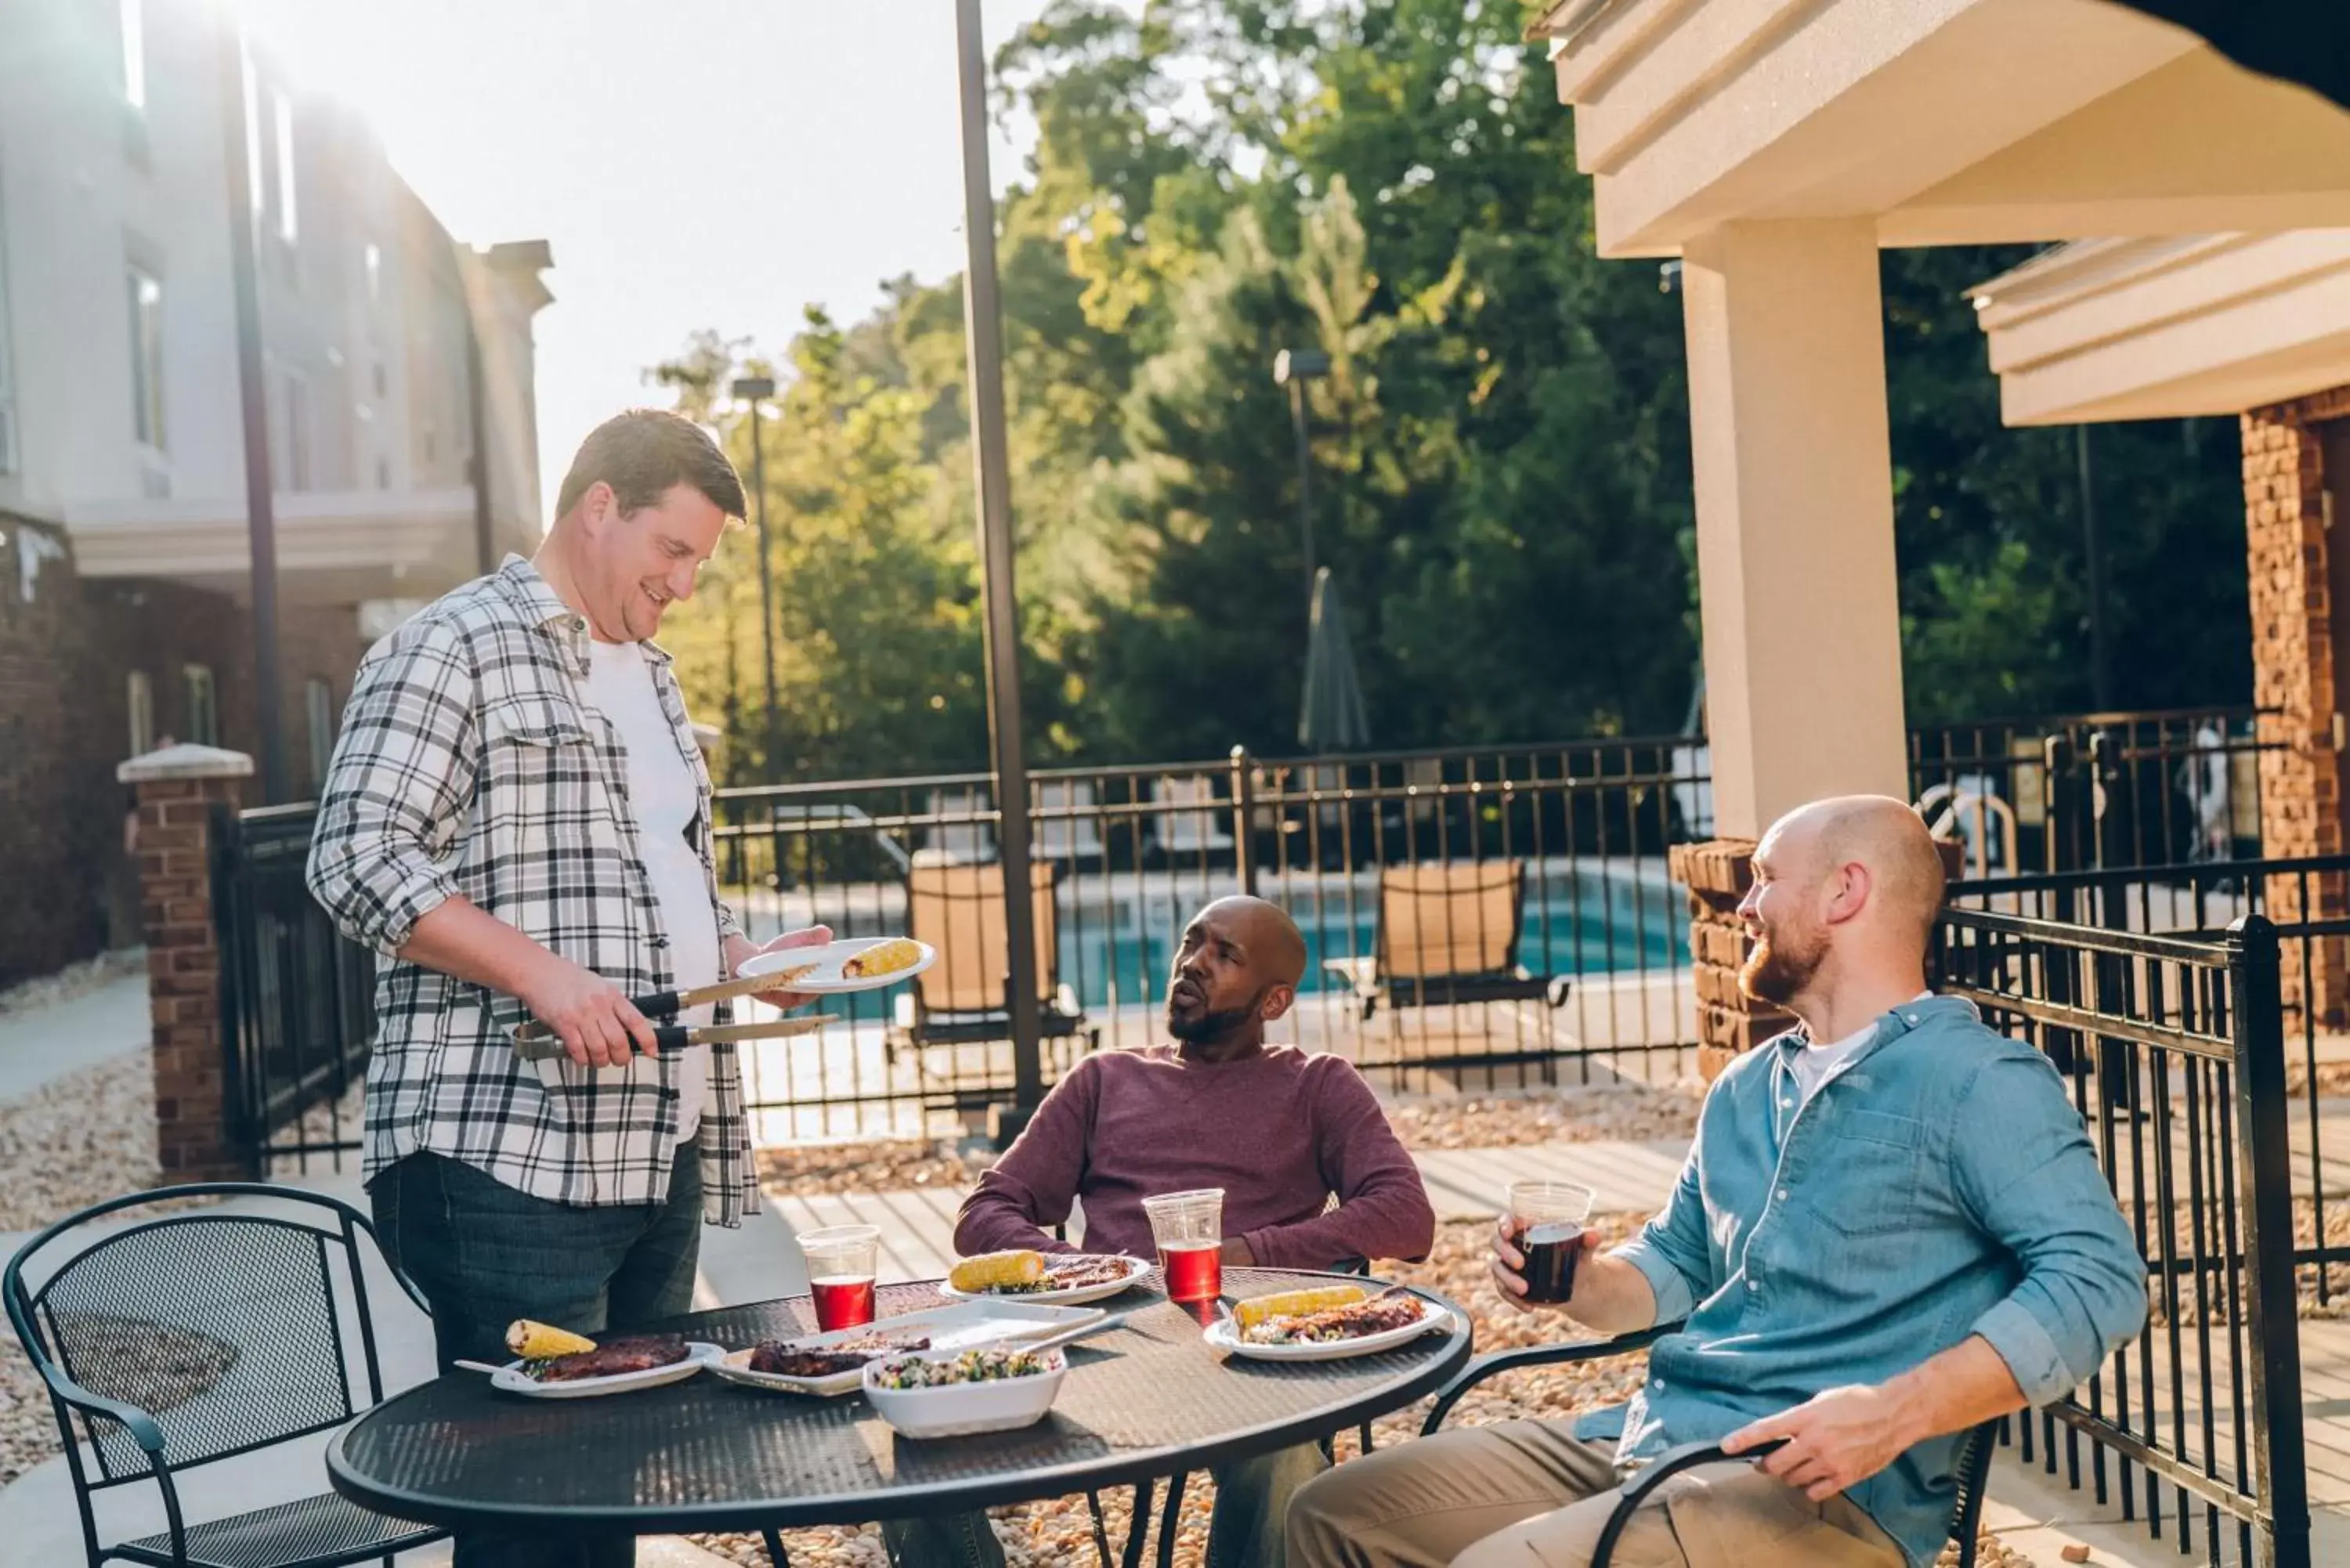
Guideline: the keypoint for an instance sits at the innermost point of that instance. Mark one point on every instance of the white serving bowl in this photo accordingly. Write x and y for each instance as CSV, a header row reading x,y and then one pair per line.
x,y
960,1409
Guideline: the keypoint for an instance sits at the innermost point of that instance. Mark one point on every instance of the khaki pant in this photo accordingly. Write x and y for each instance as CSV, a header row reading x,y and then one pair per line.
x,y
1527,1494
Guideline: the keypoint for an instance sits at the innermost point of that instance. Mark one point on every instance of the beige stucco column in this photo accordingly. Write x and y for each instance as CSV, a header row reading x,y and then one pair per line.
x,y
1793,480
1794,475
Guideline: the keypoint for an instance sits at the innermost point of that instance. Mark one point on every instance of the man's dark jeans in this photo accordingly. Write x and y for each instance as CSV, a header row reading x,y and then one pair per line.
x,y
486,1254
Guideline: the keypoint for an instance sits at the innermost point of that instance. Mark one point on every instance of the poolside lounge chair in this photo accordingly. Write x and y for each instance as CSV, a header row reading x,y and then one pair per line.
x,y
1448,933
1205,831
1068,827
966,998
961,832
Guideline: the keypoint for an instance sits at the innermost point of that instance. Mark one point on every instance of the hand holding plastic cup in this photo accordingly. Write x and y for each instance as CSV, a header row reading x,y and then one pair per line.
x,y
1188,1230
1545,1225
841,1264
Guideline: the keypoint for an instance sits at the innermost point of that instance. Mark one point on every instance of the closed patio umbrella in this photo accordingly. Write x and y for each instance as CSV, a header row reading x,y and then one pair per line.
x,y
1331,718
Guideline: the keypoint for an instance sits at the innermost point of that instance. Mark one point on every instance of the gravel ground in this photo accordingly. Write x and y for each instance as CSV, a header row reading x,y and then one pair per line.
x,y
1633,1112
1057,1533
75,980
75,1141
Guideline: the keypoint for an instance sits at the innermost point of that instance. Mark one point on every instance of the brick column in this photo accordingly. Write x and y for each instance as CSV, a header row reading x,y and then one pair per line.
x,y
178,788
1717,873
2293,673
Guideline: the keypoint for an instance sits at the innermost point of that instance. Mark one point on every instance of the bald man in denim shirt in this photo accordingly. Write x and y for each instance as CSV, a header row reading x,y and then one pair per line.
x,y
1890,1228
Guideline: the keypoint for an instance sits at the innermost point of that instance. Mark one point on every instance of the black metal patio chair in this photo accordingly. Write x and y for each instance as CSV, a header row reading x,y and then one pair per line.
x,y
1973,1466
194,1335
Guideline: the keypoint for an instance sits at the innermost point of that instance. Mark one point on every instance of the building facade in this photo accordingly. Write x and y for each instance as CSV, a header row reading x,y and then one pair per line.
x,y
397,366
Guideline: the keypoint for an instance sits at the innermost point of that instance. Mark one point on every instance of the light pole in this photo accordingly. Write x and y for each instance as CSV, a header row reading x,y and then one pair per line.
x,y
983,330
1293,368
752,391
260,503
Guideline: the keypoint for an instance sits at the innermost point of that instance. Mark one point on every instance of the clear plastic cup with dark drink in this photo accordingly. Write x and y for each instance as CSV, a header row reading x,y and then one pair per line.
x,y
1189,1229
841,1268
1546,1220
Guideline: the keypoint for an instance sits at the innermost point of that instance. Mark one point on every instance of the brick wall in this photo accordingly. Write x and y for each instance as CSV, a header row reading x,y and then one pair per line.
x,y
2294,674
65,657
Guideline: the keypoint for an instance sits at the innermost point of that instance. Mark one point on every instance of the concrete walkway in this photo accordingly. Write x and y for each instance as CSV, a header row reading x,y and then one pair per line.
x,y
42,1045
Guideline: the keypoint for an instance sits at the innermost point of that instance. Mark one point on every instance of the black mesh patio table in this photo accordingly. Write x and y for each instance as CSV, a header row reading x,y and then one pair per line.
x,y
1144,1401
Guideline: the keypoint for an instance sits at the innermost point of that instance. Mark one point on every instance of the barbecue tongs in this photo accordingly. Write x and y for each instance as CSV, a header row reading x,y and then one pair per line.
x,y
535,1042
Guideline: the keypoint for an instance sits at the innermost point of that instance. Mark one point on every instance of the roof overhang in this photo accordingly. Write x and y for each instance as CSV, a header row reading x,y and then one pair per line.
x,y
1944,121
2160,328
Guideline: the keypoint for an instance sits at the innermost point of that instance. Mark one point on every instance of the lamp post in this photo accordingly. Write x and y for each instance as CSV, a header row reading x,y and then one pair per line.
x,y
752,391
1293,368
984,332
260,503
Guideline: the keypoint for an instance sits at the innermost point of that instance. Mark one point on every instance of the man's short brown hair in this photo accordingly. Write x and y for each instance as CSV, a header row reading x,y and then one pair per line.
x,y
643,454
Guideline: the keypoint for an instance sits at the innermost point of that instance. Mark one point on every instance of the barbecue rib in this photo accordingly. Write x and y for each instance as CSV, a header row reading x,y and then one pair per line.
x,y
783,1359
613,1357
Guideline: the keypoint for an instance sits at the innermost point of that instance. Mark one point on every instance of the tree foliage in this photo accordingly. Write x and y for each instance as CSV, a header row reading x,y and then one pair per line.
x,y
1498,456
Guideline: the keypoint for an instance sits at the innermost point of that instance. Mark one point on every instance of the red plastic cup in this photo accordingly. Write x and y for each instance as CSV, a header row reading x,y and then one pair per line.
x,y
841,1261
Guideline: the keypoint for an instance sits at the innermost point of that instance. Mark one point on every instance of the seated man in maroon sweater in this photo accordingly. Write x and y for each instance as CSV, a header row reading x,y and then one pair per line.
x,y
1282,1132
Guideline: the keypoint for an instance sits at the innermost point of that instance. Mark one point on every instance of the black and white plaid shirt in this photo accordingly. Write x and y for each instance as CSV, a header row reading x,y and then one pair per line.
x,y
469,766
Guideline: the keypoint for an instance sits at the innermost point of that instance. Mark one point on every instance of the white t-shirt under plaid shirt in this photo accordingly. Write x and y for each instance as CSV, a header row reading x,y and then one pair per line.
x,y
470,765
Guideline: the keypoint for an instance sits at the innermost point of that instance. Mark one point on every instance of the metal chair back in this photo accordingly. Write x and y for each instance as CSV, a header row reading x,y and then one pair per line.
x,y
221,1331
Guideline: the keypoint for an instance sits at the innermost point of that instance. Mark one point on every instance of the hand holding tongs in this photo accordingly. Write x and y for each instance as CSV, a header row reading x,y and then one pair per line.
x,y
535,1042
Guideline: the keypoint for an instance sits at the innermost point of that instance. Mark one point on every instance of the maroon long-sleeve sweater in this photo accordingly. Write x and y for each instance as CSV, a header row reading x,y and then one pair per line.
x,y
1279,1131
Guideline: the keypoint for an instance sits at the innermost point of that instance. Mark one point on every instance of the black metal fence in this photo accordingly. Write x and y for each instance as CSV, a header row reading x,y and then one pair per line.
x,y
296,1000
2080,791
2174,1050
1473,919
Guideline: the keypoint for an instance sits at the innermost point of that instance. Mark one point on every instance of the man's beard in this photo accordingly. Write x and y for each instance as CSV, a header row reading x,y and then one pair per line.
x,y
1779,968
1208,1026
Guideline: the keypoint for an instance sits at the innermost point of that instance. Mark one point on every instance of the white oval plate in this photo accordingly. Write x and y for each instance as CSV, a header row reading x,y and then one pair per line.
x,y
1224,1335
510,1378
735,1367
828,980
1076,1295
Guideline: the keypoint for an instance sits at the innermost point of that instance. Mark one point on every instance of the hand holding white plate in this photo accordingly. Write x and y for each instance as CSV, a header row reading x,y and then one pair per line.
x,y
828,966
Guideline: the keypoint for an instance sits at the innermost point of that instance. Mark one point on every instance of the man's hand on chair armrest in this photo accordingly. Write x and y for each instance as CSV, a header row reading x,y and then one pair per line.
x,y
1838,1439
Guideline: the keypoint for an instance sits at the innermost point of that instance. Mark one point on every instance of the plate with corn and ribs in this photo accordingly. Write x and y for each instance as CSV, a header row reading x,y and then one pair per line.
x,y
836,969
1059,1279
1327,1323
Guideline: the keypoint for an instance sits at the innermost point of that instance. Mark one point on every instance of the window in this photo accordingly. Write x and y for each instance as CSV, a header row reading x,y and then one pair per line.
x,y
290,439
140,699
383,474
288,228
134,53
382,380
319,705
203,705
375,279
146,295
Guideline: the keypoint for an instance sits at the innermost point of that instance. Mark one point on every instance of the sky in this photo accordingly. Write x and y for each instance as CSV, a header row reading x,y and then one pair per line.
x,y
691,162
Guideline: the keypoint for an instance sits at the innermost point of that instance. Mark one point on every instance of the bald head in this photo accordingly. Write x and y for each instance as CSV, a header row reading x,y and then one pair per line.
x,y
1236,970
1880,835
1844,897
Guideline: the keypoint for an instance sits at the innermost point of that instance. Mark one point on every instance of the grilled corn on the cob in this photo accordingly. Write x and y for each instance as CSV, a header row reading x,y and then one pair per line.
x,y
1290,1303
883,957
991,1271
539,1342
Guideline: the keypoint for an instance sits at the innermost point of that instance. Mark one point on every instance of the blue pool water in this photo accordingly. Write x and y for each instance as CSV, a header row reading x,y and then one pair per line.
x,y
1579,931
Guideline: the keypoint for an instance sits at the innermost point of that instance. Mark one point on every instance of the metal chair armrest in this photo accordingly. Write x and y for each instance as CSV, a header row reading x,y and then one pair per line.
x,y
1641,1487
143,1427
1502,1361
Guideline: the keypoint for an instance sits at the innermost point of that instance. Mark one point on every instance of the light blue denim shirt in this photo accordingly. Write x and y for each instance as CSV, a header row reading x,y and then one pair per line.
x,y
1941,1186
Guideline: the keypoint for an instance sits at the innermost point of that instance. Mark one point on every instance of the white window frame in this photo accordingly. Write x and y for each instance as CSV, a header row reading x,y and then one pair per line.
x,y
144,297
134,54
203,705
319,708
139,700
293,435
290,223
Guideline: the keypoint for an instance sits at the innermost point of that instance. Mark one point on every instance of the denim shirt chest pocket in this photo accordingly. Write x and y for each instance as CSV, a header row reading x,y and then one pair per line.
x,y
1862,1167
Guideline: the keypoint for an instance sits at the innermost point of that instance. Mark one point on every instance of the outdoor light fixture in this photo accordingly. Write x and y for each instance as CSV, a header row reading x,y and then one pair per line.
x,y
1293,368
751,392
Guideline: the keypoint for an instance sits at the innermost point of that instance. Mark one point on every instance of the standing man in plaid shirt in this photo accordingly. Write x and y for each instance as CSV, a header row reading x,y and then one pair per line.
x,y
518,819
